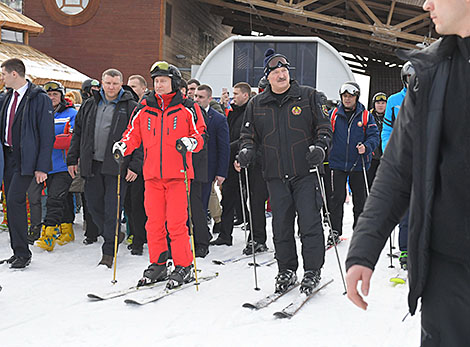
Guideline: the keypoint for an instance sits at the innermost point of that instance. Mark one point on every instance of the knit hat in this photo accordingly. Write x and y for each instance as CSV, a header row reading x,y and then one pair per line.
x,y
274,60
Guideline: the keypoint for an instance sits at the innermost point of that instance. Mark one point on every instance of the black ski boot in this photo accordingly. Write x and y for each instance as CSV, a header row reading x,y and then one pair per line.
x,y
310,281
403,259
34,233
154,273
333,240
180,276
259,247
284,280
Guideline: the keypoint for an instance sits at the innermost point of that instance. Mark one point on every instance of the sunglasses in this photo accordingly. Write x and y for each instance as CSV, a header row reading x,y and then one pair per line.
x,y
160,65
51,86
276,62
350,89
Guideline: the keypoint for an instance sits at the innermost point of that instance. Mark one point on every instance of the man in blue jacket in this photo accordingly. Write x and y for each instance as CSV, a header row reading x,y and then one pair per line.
x,y
218,152
27,134
59,205
355,136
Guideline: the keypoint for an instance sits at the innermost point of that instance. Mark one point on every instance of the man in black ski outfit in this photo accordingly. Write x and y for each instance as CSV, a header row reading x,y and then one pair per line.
x,y
423,167
290,126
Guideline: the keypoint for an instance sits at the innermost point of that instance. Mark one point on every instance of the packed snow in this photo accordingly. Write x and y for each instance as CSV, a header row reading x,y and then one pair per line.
x,y
46,304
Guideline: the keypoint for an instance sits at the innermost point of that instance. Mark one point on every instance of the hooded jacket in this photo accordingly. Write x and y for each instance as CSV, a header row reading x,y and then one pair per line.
x,y
64,117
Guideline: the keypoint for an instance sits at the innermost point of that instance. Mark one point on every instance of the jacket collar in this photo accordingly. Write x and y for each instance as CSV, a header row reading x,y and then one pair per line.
x,y
267,96
359,109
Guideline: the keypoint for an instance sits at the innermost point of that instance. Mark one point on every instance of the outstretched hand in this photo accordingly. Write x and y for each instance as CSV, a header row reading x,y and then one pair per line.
x,y
355,274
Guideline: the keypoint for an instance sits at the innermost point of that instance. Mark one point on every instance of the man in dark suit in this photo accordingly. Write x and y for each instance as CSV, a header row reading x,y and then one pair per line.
x,y
27,133
218,151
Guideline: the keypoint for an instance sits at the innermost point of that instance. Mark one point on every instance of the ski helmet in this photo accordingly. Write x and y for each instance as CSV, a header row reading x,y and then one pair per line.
x,y
380,96
162,68
54,86
350,87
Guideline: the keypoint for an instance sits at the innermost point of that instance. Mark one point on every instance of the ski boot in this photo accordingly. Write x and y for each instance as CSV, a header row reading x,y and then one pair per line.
x,y
180,276
48,237
403,259
284,280
310,281
333,240
259,247
66,234
154,273
34,233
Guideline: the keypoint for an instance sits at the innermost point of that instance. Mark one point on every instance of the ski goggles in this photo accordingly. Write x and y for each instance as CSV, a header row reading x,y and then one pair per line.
x,y
160,66
53,86
278,61
94,83
380,97
350,89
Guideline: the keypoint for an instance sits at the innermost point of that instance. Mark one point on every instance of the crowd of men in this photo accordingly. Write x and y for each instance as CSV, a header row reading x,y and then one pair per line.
x,y
165,149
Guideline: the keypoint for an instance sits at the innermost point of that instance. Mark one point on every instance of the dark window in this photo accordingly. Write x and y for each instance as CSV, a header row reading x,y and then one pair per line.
x,y
168,19
249,58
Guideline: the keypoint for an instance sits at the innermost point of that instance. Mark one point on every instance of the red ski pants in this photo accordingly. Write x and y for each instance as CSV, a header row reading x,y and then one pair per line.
x,y
166,201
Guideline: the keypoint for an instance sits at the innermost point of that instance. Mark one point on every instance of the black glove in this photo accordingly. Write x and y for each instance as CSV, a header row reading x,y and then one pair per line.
x,y
245,157
315,156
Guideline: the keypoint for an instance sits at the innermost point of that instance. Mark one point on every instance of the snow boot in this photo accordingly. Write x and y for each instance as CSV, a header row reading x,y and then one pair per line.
x,y
107,260
66,234
284,280
48,237
34,233
310,281
403,259
154,273
259,247
333,240
180,276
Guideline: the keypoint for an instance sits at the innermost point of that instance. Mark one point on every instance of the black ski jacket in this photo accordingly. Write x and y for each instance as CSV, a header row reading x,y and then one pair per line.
x,y
82,145
284,131
407,173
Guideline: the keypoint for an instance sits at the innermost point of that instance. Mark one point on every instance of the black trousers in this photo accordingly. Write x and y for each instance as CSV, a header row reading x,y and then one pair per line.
x,y
358,188
59,208
91,230
101,196
35,205
374,165
201,232
16,186
135,211
299,195
446,303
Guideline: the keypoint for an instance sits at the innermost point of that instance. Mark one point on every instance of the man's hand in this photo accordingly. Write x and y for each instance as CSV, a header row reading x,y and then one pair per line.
x,y
355,274
40,176
186,144
131,176
361,148
118,149
73,169
236,166
224,98
219,180
245,156
315,156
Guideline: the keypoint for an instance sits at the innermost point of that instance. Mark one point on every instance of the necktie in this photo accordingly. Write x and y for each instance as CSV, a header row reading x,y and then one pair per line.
x,y
11,118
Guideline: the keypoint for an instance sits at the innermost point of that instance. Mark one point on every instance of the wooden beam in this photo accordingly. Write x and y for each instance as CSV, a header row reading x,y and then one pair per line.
x,y
390,13
369,12
411,21
417,26
302,4
333,20
359,13
397,10
328,6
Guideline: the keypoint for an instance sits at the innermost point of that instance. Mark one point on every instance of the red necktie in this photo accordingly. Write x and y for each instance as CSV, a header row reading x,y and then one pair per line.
x,y
12,118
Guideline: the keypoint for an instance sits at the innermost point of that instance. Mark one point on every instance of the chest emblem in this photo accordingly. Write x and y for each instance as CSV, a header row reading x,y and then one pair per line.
x,y
359,124
296,110
324,109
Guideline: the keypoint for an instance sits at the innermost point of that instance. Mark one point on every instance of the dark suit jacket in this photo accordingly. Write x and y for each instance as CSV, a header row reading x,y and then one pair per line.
x,y
219,144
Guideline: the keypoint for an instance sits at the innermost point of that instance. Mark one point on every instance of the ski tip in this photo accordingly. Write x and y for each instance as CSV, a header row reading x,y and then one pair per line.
x,y
282,315
218,262
131,302
397,280
94,297
249,305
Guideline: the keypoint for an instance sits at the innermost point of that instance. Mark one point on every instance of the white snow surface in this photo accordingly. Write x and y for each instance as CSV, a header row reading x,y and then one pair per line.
x,y
46,304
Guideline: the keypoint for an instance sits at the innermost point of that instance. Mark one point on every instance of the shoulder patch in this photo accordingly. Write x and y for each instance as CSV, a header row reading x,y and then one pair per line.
x,y
324,110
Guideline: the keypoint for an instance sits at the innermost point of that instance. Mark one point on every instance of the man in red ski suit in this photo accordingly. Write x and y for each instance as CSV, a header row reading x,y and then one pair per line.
x,y
161,119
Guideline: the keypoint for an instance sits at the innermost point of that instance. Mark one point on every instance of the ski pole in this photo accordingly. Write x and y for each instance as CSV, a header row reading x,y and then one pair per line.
x,y
180,147
364,171
119,159
250,212
327,212
243,204
391,254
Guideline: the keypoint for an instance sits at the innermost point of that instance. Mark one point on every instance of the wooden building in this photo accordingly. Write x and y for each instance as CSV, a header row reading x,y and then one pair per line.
x,y
93,35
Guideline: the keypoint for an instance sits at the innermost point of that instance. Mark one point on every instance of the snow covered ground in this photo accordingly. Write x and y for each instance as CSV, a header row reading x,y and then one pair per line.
x,y
46,304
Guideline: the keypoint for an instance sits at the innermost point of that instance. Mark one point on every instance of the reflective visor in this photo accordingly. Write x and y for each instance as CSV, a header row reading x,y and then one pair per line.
x,y
160,65
380,97
278,61
348,88
95,83
51,86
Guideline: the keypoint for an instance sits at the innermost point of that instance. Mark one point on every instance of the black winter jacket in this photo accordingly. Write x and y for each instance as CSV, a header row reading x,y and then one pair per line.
x,y
407,173
82,145
285,131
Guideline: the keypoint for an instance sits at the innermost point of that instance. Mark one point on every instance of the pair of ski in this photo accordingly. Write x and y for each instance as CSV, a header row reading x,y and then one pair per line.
x,y
294,306
236,259
163,292
341,239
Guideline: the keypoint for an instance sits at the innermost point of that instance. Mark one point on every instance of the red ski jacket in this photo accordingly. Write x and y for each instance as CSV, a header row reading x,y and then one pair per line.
x,y
158,121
